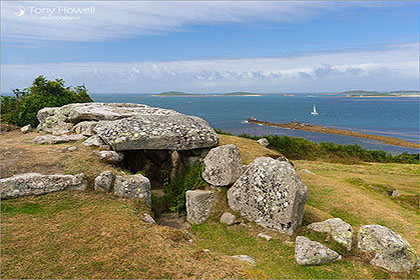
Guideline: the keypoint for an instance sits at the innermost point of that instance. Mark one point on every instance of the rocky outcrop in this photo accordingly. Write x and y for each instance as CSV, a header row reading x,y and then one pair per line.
x,y
199,204
308,252
386,248
133,186
223,165
227,218
104,181
340,231
126,126
263,142
26,129
270,193
37,184
52,139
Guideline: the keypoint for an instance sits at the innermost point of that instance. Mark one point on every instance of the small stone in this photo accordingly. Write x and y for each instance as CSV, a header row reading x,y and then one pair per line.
x,y
394,193
263,142
147,218
227,218
26,129
104,181
307,171
72,149
110,156
265,236
308,252
206,250
341,231
244,258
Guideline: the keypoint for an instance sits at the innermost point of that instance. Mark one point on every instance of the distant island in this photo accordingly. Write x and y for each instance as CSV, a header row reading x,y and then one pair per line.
x,y
180,93
366,93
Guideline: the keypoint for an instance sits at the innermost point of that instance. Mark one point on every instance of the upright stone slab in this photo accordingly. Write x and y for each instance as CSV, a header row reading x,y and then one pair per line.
x,y
133,186
37,184
389,250
308,252
199,204
270,193
104,181
341,231
223,165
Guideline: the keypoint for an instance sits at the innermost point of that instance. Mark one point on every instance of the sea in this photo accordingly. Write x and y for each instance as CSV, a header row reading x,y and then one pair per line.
x,y
387,116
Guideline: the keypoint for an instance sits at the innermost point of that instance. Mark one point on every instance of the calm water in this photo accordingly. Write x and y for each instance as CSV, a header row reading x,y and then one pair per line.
x,y
397,117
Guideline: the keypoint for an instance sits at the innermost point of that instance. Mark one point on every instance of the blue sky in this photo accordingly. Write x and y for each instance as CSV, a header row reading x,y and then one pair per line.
x,y
213,46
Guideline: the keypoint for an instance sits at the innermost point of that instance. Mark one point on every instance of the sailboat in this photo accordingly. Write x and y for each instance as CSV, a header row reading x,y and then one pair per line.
x,y
314,112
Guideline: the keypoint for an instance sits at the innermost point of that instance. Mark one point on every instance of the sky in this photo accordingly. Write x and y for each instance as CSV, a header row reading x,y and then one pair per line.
x,y
212,46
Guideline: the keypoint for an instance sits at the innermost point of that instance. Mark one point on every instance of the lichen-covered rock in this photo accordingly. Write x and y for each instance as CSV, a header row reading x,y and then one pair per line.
x,y
389,250
199,204
94,140
270,193
110,156
223,165
26,129
85,128
263,142
133,186
52,139
227,218
341,231
308,252
37,184
104,181
157,132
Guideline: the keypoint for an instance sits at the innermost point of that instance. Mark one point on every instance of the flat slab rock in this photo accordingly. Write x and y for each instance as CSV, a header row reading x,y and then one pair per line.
x,y
270,193
308,252
389,250
199,204
341,231
52,139
37,184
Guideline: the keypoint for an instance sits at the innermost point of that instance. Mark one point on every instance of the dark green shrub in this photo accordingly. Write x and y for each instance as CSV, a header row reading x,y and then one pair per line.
x,y
23,107
175,190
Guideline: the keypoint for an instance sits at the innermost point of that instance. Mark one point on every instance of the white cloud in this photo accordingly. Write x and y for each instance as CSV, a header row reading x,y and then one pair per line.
x,y
123,19
393,67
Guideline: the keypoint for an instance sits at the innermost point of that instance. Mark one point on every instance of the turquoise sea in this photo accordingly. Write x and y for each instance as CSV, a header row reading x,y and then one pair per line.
x,y
388,116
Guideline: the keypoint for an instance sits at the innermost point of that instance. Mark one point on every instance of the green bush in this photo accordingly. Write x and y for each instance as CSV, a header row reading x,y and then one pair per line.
x,y
176,189
22,108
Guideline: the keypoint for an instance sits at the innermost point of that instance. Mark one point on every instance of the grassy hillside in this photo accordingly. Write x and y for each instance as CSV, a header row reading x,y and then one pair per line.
x,y
94,235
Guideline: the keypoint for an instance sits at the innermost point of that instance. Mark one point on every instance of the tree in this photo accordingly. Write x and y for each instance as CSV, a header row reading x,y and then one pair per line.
x,y
22,108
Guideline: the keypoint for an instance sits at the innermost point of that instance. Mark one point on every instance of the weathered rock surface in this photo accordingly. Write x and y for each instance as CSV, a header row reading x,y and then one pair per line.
x,y
244,258
147,218
341,231
85,128
389,250
158,132
104,181
270,193
223,165
199,204
133,186
110,156
52,139
227,218
26,129
37,184
263,142
265,236
94,140
308,252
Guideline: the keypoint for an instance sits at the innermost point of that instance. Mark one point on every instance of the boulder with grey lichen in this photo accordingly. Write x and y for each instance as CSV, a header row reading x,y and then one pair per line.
x,y
133,186
340,231
308,252
199,204
104,181
37,184
270,193
94,140
223,165
26,129
227,218
386,248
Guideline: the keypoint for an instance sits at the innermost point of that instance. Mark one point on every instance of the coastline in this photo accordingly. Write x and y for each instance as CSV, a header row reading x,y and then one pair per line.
x,y
322,129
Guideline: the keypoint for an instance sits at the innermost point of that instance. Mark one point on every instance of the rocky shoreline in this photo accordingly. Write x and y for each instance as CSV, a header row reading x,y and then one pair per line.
x,y
323,129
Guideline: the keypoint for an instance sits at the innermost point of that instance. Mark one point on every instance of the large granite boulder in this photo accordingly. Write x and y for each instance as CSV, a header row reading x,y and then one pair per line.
x,y
157,132
270,193
37,184
341,231
133,186
199,204
308,252
223,165
126,126
386,248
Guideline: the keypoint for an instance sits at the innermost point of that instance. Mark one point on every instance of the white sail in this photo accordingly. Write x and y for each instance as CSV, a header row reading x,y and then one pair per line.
x,y
314,112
